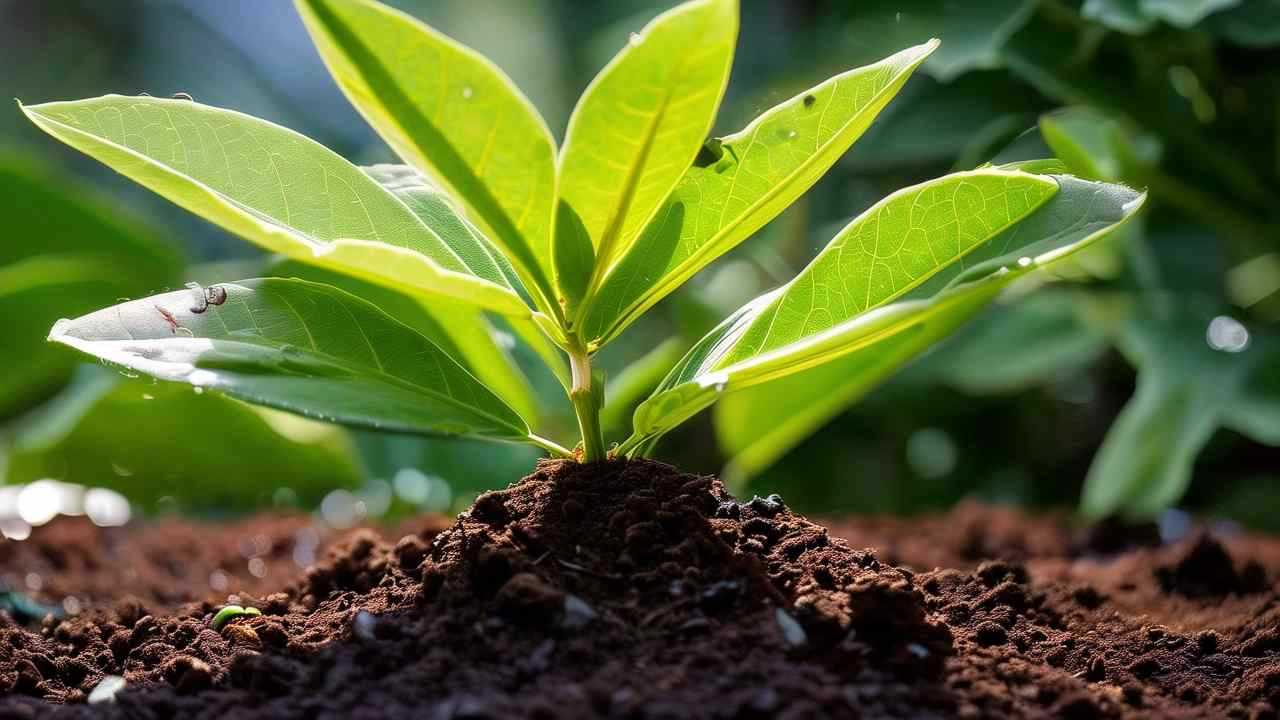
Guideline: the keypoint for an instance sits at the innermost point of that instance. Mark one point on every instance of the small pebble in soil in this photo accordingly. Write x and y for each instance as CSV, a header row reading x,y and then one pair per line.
x,y
791,630
990,633
364,624
106,689
767,507
577,613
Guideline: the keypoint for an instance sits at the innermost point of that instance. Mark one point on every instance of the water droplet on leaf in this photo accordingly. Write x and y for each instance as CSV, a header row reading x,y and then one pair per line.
x,y
1226,334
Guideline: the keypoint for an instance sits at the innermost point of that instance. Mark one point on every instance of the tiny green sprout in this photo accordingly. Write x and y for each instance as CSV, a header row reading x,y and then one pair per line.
x,y
388,276
230,612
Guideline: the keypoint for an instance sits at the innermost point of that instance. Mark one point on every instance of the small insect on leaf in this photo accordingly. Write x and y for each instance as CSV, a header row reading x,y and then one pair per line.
x,y
230,612
709,154
212,295
169,319
809,100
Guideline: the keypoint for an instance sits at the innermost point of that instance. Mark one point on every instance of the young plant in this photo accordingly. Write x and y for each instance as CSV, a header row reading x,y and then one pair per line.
x,y
574,243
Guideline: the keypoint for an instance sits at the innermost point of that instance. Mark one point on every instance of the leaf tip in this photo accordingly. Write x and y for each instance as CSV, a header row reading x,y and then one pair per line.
x,y
59,330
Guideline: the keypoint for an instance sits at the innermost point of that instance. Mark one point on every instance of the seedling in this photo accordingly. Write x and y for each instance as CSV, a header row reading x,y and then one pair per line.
x,y
570,245
230,612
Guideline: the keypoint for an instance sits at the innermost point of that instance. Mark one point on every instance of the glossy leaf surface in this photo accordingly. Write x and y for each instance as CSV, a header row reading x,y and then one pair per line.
x,y
742,182
453,115
299,346
276,188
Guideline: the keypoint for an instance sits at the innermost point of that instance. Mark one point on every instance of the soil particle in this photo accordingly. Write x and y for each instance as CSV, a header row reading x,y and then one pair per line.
x,y
1207,570
630,590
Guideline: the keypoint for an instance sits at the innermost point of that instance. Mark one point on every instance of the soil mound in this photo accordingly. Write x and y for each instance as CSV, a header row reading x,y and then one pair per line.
x,y
630,590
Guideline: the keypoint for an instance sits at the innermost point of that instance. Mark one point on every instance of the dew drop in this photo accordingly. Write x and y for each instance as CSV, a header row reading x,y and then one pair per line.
x,y
218,580
786,134
198,390
106,508
1024,261
1226,334
467,92
635,38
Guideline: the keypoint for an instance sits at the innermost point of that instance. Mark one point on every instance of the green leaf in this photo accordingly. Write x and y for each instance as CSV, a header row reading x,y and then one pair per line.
x,y
1127,16
1184,13
1255,411
299,346
1252,23
1028,343
1144,464
66,251
1084,139
639,124
971,33
460,330
575,256
1186,390
1136,17
276,188
208,452
455,116
757,426
892,248
879,280
751,177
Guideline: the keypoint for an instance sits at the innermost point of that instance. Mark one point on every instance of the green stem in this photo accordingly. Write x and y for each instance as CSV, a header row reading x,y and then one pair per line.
x,y
586,404
551,446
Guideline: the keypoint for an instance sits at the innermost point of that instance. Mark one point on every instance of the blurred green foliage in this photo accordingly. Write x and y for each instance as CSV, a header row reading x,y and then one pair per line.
x,y
1182,98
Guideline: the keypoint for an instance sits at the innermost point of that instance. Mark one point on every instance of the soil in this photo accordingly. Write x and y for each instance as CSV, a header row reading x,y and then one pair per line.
x,y
631,590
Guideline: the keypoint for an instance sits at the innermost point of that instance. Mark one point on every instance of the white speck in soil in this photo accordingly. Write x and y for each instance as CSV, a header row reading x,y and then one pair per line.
x,y
577,613
791,630
918,650
364,625
106,689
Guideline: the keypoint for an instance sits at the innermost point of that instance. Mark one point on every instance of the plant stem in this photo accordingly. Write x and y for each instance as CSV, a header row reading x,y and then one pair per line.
x,y
586,404
551,446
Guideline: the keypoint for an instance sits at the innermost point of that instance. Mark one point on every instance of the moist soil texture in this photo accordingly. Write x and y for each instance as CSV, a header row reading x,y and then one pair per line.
x,y
631,590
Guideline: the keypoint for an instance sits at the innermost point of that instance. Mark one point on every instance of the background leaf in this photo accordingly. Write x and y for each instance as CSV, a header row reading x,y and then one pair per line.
x,y
66,252
1185,392
208,452
971,33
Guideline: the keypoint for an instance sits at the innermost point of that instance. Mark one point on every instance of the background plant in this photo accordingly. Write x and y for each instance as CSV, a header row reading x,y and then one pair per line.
x,y
910,444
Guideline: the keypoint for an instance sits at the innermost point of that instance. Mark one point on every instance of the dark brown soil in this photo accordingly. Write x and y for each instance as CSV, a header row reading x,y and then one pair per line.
x,y
633,591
